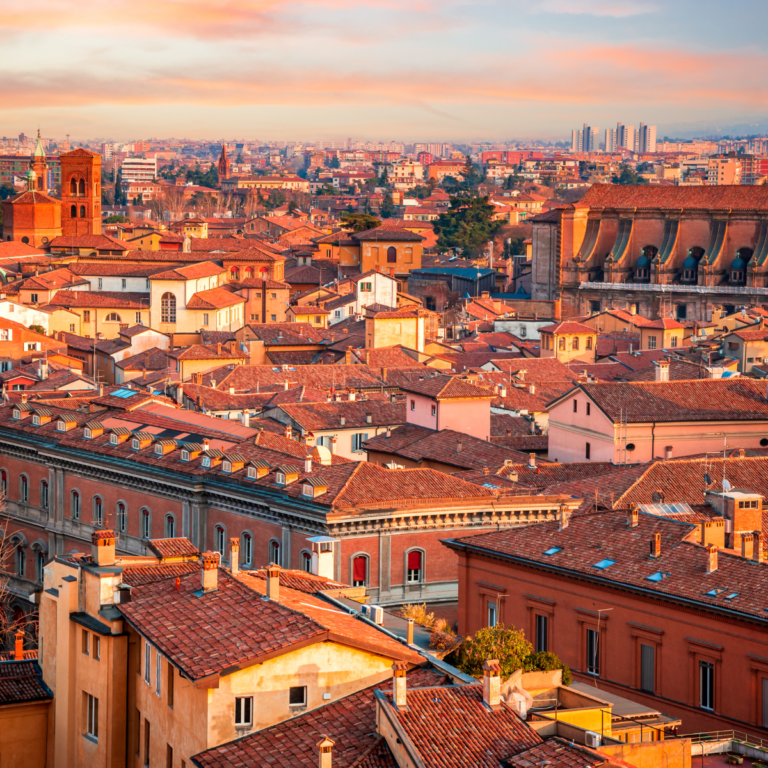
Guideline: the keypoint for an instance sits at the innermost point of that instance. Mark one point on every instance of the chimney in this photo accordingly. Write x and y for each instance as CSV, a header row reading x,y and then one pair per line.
x,y
234,558
101,389
218,349
348,356
662,370
206,443
342,421
210,561
502,392
492,684
633,309
43,368
334,440
668,452
389,433
399,668
103,547
531,461
747,546
352,395
564,516
742,453
757,546
273,582
532,389
369,418
231,390
325,749
633,518
409,632
458,446
288,431
711,558
180,393
286,386
18,649
307,463
23,397
656,545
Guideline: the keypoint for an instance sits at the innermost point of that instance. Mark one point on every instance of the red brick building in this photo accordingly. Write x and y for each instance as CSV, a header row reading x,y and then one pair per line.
x,y
80,192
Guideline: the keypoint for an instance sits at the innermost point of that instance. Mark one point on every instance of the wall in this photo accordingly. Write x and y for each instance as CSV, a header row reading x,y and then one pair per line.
x,y
471,416
671,753
24,734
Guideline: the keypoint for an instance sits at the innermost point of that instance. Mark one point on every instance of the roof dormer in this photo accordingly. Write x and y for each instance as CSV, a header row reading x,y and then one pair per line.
x,y
119,435
286,474
257,469
65,422
232,462
92,430
141,440
313,487
212,458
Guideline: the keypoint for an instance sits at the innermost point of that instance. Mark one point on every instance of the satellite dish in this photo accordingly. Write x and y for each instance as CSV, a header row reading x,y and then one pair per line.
x,y
707,478
726,486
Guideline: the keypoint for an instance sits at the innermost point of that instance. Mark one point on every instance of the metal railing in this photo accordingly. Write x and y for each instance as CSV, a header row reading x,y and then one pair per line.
x,y
739,736
740,290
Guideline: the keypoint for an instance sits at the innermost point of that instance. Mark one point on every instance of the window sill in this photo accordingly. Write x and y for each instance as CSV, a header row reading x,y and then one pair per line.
x,y
92,739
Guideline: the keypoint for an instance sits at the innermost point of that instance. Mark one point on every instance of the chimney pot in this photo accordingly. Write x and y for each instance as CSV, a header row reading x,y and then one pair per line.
x,y
409,632
389,432
564,517
273,582
206,443
458,446
399,689
288,431
747,546
532,460
101,389
711,558
325,751
532,389
757,546
18,650
103,547
369,418
218,349
210,561
656,545
633,518
234,558
492,683
307,463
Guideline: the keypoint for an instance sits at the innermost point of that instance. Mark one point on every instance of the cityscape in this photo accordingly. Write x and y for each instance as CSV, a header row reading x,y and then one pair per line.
x,y
364,415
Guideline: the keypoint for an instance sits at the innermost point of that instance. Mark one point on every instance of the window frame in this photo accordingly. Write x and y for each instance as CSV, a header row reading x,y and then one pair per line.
x,y
91,717
421,571
541,636
75,504
243,702
147,663
706,689
592,648
296,704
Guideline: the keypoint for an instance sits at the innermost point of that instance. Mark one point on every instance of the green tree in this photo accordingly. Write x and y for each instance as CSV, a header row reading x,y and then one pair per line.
x,y
7,190
37,328
360,222
239,159
334,162
628,176
384,178
467,224
387,207
116,218
292,206
544,661
472,177
119,196
507,645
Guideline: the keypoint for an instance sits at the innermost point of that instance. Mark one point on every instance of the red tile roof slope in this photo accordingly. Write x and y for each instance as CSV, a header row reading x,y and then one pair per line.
x,y
312,416
446,388
536,370
105,299
567,327
21,682
214,298
165,548
559,753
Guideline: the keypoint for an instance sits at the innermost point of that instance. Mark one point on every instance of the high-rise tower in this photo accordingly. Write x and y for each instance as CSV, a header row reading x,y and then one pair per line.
x,y
80,193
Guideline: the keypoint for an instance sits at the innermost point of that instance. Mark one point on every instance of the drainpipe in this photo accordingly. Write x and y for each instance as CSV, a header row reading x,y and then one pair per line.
x,y
653,440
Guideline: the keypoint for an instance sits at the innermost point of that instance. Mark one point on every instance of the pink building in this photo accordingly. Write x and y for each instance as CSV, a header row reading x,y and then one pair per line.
x,y
442,402
633,422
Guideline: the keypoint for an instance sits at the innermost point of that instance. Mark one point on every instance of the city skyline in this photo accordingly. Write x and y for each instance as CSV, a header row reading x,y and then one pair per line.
x,y
324,68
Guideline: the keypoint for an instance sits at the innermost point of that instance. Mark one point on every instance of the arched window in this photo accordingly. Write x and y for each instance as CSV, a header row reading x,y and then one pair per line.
x,y
306,562
359,571
44,494
98,511
246,549
274,552
575,342
391,255
21,560
234,273
73,212
415,566
250,272
40,565
170,527
219,536
74,507
82,211
263,271
73,186
168,308
146,523
112,317
24,489
121,517
81,187
4,482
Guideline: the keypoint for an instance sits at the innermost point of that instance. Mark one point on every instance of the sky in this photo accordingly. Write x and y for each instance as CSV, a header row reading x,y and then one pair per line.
x,y
418,70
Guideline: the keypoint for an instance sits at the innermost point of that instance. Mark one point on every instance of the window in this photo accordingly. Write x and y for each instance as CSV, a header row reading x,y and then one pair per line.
x,y
414,567
168,308
24,488
575,406
561,343
391,255
170,684
170,527
493,614
588,343
306,562
274,318
358,440
71,327
121,517
168,756
673,341
647,668
138,318
33,298
434,410
243,711
413,405
542,630
593,652
247,549
4,482
234,273
575,342
147,662
21,560
158,672
98,511
218,533
73,211
297,696
112,317
92,716
86,315
44,494
360,571
82,211
146,741
75,505
587,450
706,685
101,283
40,563
651,342
145,524
589,408
274,552
85,645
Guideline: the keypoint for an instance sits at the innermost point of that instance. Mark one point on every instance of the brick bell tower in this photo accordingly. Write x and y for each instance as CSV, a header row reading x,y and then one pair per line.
x,y
80,193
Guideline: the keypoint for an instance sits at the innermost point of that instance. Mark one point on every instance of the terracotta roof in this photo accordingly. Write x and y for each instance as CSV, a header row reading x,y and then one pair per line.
x,y
79,152
535,370
154,359
709,198
312,416
387,234
190,271
219,244
106,299
285,334
109,269
294,357
567,327
386,357
33,197
559,753
165,548
446,388
301,581
206,352
141,575
664,323
103,242
21,682
214,298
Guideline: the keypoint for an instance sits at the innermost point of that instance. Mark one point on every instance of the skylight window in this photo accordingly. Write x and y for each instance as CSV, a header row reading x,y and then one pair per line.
x,y
603,564
491,486
714,592
553,551
658,576
124,393
732,595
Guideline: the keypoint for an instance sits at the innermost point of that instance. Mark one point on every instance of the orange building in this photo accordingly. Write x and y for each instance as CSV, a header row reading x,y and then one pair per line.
x,y
32,217
80,192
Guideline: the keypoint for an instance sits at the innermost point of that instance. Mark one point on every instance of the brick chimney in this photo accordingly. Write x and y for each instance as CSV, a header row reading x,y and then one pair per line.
x,y
180,393
399,669
288,431
210,561
532,388
563,517
18,648
656,545
492,684
325,750
458,445
757,546
206,443
234,557
633,518
747,545
711,558
273,582
531,461
103,547
334,440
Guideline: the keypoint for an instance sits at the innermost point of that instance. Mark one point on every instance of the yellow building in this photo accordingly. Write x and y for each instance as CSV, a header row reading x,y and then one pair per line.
x,y
103,312
317,317
664,333
568,341
392,250
406,327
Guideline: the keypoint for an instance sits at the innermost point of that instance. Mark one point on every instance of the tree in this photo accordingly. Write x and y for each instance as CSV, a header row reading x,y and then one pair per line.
x,y
37,328
169,205
334,162
628,176
387,207
507,645
384,178
544,661
292,206
119,195
467,224
360,222
116,218
7,190
470,173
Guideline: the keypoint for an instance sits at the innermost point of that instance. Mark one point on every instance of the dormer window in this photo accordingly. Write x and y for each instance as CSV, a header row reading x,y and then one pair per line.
x,y
206,461
158,449
86,432
113,439
16,414
36,420
253,473
308,490
184,455
135,444
226,466
280,478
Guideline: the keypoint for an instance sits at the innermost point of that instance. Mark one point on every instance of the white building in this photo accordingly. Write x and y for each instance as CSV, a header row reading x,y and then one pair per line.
x,y
139,169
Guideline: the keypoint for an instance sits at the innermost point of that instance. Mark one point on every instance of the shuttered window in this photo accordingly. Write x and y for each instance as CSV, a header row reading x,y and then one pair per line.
x,y
647,667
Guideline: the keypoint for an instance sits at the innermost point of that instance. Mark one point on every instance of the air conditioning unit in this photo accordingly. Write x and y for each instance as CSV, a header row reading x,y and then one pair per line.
x,y
374,612
592,739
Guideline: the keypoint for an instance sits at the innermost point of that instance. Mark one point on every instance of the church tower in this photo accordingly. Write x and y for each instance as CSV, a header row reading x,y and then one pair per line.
x,y
40,166
80,193
225,166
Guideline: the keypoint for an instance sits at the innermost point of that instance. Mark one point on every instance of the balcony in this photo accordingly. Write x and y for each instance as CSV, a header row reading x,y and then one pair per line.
x,y
667,288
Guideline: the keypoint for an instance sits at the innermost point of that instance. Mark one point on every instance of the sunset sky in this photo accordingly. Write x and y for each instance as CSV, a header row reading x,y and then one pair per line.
x,y
391,69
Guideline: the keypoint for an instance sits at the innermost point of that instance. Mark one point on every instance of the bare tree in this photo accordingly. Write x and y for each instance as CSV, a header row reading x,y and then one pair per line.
x,y
11,623
169,205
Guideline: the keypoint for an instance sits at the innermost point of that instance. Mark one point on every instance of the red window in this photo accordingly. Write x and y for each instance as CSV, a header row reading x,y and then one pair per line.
x,y
306,562
359,571
414,567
